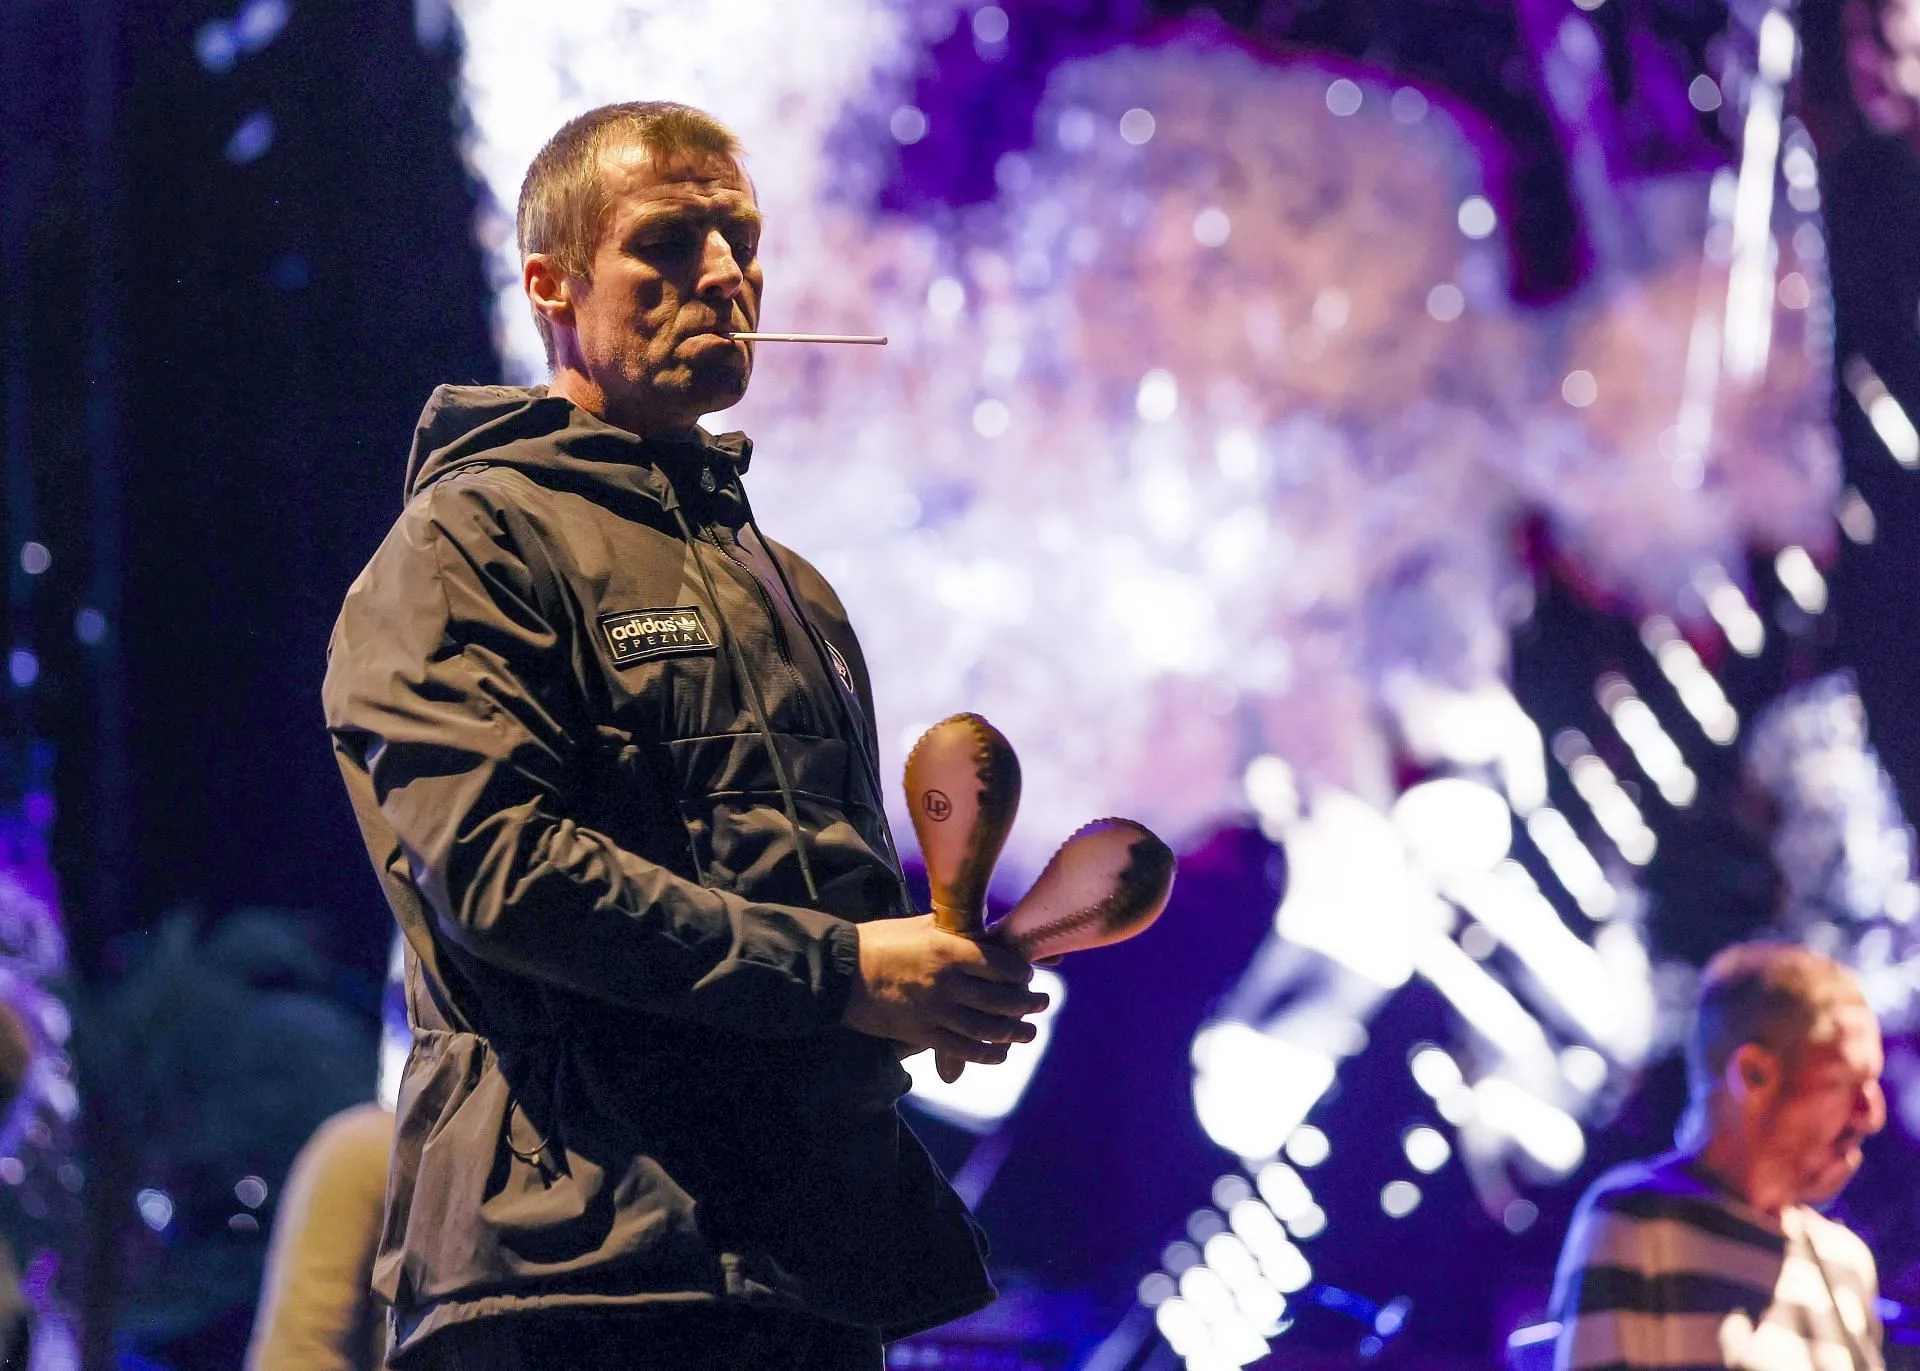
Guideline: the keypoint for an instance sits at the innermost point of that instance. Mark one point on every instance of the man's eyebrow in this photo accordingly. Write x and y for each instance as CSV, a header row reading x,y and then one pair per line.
x,y
742,213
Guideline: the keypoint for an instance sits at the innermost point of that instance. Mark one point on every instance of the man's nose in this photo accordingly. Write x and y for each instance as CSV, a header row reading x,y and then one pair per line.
x,y
720,273
1875,1102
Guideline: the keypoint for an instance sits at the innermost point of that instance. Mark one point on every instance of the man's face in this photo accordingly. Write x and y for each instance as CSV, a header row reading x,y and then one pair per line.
x,y
675,273
1824,1105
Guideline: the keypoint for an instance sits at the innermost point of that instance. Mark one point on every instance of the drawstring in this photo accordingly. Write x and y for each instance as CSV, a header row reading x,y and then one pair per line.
x,y
853,724
759,707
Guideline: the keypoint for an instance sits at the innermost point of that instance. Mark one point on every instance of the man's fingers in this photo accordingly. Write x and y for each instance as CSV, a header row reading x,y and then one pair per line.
x,y
995,962
987,1028
952,1045
993,997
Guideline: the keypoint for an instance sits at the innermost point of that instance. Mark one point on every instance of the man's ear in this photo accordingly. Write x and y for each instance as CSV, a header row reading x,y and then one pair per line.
x,y
1751,1070
549,288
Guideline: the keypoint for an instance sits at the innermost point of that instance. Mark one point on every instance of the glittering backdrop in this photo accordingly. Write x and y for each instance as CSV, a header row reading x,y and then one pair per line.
x,y
1843,848
37,1170
1208,435
1200,462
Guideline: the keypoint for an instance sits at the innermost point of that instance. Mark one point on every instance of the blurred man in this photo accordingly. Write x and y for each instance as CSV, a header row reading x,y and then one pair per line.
x,y
317,1309
1713,1255
16,1313
613,755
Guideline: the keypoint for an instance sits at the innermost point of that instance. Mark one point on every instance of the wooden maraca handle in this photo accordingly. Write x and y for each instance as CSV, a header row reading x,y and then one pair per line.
x,y
963,788
1105,884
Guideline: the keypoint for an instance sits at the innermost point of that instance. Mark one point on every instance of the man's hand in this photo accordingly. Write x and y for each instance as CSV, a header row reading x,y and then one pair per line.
x,y
925,987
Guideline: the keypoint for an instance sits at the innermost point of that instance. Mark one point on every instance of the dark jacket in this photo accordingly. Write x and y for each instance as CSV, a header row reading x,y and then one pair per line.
x,y
579,704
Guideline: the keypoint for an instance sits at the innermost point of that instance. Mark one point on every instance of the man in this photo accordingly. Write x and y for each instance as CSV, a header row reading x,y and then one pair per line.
x,y
17,1054
613,756
1714,1255
317,1311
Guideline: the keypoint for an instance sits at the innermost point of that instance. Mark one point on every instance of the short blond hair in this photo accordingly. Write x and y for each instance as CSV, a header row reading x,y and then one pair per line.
x,y
563,201
1779,995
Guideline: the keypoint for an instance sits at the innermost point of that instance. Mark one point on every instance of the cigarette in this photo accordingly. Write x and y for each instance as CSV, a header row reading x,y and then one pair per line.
x,y
878,340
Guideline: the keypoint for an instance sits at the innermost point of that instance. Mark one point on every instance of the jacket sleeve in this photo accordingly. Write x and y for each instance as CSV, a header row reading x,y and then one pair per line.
x,y
453,690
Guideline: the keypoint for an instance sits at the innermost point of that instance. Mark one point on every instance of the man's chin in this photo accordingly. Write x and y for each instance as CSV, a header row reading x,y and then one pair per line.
x,y
1830,1181
719,381
698,390
714,401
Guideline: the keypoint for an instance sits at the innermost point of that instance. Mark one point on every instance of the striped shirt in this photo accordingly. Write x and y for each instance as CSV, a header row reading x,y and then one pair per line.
x,y
1663,1270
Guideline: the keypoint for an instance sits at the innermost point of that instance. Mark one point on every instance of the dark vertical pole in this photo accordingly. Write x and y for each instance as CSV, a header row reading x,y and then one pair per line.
x,y
23,162
110,1187
106,463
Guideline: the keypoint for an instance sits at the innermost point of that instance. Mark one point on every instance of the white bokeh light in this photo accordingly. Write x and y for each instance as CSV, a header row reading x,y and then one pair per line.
x,y
991,418
1136,126
1211,227
908,125
1399,1199
1476,218
1158,396
1426,1148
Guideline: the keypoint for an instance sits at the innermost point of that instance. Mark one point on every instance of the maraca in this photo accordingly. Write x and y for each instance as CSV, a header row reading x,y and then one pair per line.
x,y
1105,884
963,787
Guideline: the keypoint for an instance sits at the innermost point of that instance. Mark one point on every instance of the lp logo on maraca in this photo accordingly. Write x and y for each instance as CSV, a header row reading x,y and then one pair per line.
x,y
937,806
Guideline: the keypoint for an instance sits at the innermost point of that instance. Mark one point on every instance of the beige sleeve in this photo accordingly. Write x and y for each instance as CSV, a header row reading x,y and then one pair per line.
x,y
317,1310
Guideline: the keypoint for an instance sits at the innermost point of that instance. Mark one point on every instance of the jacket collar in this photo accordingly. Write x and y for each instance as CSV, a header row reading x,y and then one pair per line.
x,y
553,439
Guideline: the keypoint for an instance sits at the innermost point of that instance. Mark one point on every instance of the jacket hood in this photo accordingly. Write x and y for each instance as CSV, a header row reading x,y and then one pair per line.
x,y
557,442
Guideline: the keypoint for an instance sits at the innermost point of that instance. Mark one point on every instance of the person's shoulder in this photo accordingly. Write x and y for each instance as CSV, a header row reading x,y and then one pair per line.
x,y
1651,1188
1614,1213
349,1150
1670,1189
482,509
474,488
369,1121
1664,1175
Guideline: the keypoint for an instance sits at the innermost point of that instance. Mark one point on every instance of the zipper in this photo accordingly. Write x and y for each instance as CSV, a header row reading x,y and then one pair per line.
x,y
848,699
780,642
756,702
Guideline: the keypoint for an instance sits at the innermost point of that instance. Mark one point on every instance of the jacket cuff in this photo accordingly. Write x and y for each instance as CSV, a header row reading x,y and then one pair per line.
x,y
838,970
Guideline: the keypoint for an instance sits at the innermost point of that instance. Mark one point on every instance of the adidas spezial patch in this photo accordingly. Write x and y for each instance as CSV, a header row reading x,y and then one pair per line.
x,y
640,635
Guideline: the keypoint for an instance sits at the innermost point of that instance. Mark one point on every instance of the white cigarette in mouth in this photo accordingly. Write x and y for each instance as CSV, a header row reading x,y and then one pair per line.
x,y
878,340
